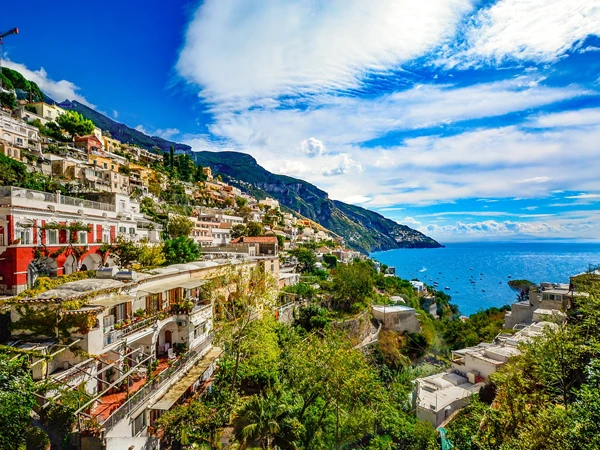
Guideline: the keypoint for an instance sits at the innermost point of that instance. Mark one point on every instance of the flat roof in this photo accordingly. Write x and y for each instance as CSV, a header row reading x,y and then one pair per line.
x,y
393,309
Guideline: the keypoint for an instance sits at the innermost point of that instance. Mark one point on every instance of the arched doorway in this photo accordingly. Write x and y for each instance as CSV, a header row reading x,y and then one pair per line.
x,y
91,262
41,267
70,265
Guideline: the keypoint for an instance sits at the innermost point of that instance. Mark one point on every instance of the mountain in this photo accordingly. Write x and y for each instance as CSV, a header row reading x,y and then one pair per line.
x,y
362,229
122,132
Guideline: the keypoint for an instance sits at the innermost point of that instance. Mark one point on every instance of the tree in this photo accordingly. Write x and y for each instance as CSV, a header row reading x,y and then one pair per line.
x,y
254,229
75,124
353,284
179,226
238,230
8,100
522,288
151,255
306,259
125,252
181,250
16,401
330,260
172,157
241,202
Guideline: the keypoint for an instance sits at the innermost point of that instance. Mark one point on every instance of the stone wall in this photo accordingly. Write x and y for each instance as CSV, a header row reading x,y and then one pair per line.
x,y
357,329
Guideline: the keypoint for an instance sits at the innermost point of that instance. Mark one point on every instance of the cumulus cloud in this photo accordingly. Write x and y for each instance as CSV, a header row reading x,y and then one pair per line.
x,y
344,165
58,90
312,147
537,30
243,49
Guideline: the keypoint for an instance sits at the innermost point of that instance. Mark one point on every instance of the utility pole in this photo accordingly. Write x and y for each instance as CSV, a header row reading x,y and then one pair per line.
x,y
2,36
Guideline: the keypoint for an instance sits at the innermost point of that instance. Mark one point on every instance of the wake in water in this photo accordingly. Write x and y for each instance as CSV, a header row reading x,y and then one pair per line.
x,y
423,269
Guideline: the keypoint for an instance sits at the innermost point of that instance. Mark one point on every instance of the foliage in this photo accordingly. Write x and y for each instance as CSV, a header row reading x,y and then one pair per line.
x,y
306,259
125,252
483,326
16,401
313,317
43,284
179,226
254,229
8,100
18,81
238,230
330,260
353,284
181,250
304,291
151,255
75,124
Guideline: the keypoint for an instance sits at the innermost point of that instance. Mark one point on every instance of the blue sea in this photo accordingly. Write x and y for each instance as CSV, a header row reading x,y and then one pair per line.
x,y
493,264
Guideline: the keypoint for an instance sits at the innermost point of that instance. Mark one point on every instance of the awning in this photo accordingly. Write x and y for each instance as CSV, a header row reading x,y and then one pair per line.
x,y
193,283
176,391
161,287
112,301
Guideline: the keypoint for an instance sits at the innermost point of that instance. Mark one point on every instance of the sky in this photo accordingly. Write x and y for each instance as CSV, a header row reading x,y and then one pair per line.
x,y
466,120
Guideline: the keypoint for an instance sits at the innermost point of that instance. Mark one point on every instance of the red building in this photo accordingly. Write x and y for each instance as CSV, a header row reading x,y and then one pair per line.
x,y
88,143
34,224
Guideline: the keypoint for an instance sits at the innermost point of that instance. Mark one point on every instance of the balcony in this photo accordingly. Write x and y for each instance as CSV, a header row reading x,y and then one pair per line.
x,y
112,336
153,387
14,196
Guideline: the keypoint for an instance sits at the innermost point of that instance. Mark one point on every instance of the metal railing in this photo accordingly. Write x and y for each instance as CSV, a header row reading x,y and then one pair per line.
x,y
153,386
11,192
112,336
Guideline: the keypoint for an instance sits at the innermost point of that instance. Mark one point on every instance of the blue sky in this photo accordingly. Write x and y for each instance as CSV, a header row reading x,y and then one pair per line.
x,y
465,119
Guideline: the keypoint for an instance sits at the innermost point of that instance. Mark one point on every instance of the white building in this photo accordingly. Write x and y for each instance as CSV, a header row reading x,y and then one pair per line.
x,y
398,318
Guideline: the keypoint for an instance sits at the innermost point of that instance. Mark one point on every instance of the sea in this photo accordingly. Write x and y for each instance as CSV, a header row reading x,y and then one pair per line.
x,y
491,265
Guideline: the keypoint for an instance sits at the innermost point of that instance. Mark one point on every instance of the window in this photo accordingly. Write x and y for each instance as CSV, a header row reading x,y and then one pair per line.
x,y
52,237
112,167
106,237
9,152
122,230
139,424
131,230
95,162
105,165
82,237
25,237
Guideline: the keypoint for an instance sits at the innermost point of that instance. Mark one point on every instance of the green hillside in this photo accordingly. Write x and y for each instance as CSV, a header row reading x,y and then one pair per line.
x,y
122,132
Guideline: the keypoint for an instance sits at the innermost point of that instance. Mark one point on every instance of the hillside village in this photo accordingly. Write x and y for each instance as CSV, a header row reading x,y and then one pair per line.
x,y
148,304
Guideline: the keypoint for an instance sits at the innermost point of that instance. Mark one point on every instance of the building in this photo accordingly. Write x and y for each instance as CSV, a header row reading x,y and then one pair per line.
x,y
419,286
46,111
110,144
549,299
16,137
264,245
270,203
163,323
398,318
202,232
33,221
88,143
207,172
438,396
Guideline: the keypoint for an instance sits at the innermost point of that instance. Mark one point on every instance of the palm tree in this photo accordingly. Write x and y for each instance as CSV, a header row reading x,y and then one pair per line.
x,y
261,418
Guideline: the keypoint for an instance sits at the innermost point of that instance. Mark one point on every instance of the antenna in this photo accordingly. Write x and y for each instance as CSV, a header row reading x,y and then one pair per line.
x,y
2,36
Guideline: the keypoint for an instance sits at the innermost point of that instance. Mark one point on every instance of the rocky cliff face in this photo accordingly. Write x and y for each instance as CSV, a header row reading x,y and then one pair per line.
x,y
362,229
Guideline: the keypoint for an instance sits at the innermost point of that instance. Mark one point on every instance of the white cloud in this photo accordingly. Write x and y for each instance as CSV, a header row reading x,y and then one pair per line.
x,y
344,165
539,30
167,133
536,180
57,90
577,118
244,49
115,114
584,196
312,147
410,221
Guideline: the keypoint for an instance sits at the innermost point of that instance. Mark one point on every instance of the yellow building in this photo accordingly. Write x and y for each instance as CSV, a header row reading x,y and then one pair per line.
x,y
111,144
50,112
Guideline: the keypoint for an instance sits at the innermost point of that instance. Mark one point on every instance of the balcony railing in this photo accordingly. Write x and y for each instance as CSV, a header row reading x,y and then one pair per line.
x,y
159,382
12,194
112,336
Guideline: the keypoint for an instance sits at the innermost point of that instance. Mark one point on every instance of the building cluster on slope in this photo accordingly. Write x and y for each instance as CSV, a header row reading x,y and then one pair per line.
x,y
438,396
109,180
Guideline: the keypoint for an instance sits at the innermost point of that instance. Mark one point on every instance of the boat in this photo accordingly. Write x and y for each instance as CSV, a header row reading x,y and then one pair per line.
x,y
509,276
447,288
471,268
483,290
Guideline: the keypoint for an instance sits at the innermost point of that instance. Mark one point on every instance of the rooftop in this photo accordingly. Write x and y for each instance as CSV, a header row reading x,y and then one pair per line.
x,y
392,309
